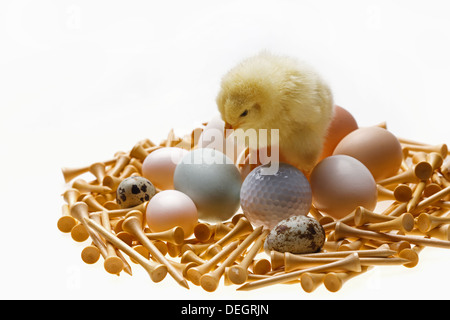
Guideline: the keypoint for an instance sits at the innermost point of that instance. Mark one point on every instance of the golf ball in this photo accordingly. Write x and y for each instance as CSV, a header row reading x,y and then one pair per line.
x,y
266,199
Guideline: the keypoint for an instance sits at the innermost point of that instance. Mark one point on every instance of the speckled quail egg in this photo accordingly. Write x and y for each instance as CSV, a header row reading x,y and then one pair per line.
x,y
296,234
133,191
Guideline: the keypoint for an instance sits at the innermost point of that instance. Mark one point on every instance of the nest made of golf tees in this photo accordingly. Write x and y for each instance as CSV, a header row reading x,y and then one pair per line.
x,y
416,216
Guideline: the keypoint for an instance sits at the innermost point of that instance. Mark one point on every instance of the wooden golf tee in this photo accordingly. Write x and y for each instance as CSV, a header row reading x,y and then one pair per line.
x,y
79,233
363,216
112,264
203,231
417,193
116,213
445,169
334,281
97,241
442,232
310,281
79,211
98,170
294,262
349,219
71,173
174,235
139,152
190,256
220,230
442,149
411,254
66,222
241,228
406,176
133,225
92,203
342,231
238,274
349,263
261,266
430,200
71,196
200,248
405,223
84,186
435,159
401,193
194,274
422,168
426,222
395,210
379,252
156,271
276,259
431,188
111,182
121,162
90,254
128,171
210,281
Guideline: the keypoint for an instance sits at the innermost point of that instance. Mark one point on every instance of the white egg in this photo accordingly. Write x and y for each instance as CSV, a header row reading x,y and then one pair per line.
x,y
215,137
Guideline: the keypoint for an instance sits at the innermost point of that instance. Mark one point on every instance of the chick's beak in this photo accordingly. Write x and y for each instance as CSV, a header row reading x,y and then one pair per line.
x,y
226,129
227,126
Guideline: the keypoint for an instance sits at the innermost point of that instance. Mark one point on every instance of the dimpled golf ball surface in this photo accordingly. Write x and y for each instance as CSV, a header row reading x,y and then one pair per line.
x,y
266,199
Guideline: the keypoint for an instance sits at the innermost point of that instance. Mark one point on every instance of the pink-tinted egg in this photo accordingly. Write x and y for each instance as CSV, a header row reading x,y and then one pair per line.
x,y
340,184
341,125
169,209
159,166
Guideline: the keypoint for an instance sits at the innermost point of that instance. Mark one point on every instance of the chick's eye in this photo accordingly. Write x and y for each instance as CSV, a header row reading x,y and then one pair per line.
x,y
243,114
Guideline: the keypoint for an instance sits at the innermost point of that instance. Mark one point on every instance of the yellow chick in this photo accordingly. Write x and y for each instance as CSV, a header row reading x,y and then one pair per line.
x,y
267,91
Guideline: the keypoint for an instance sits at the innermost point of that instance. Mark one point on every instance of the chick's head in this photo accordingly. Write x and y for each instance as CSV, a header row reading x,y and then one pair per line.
x,y
247,97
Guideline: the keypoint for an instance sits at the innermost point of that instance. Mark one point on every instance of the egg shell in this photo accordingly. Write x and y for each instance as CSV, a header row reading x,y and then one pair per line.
x,y
169,209
214,136
341,125
341,183
296,234
377,148
159,166
212,181
133,191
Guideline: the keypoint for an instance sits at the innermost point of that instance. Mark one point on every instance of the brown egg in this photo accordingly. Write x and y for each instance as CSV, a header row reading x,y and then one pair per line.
x,y
377,148
341,183
342,124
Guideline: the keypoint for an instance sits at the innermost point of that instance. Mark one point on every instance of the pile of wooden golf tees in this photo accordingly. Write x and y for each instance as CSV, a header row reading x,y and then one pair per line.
x,y
416,217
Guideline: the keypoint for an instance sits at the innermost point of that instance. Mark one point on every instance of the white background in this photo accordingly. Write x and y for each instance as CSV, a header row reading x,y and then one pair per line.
x,y
80,80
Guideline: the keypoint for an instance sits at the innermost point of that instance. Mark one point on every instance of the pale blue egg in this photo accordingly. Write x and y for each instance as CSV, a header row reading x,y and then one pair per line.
x,y
212,181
